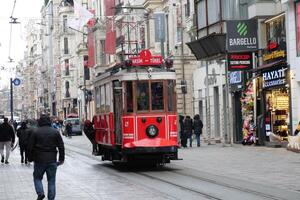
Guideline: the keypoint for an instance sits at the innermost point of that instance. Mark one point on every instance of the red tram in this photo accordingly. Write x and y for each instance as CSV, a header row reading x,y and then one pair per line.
x,y
136,118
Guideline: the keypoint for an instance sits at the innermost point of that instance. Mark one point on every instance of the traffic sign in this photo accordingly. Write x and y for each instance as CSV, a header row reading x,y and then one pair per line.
x,y
16,81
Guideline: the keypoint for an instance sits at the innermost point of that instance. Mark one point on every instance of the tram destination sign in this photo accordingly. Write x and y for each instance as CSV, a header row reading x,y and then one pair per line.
x,y
274,77
239,61
242,35
145,58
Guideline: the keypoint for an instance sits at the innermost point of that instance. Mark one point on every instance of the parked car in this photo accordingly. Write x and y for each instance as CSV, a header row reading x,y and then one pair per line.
x,y
76,126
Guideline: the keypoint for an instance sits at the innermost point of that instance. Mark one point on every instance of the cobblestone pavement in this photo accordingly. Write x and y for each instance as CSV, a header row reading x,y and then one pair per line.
x,y
76,179
275,167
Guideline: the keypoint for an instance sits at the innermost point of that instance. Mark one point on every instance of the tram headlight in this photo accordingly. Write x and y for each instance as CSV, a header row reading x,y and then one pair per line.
x,y
152,131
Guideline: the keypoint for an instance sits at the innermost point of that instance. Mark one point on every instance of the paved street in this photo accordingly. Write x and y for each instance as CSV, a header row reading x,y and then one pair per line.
x,y
208,172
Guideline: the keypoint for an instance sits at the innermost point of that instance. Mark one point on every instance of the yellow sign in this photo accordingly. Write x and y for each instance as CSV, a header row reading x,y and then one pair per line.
x,y
274,54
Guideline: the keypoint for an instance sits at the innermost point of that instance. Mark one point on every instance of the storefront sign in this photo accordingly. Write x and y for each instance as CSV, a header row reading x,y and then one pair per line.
x,y
242,35
146,58
275,77
239,61
235,77
274,55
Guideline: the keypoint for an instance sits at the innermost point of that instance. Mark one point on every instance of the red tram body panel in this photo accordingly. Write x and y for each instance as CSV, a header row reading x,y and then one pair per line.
x,y
136,116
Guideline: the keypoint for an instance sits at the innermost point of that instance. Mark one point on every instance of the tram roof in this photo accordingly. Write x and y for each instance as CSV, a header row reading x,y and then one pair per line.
x,y
143,72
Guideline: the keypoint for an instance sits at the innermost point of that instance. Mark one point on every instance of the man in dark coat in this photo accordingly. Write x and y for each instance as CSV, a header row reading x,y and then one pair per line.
x,y
7,139
23,134
198,125
181,129
90,134
42,149
188,129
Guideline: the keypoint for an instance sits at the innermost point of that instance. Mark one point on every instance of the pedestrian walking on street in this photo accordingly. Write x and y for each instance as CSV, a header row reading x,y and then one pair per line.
x,y
198,125
42,150
188,130
23,134
69,130
7,140
89,131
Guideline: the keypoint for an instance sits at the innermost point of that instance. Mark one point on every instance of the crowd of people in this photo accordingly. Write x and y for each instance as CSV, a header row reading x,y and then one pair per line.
x,y
38,144
188,128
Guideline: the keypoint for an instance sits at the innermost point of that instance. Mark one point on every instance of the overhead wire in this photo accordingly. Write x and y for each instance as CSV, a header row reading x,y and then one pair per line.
x,y
10,34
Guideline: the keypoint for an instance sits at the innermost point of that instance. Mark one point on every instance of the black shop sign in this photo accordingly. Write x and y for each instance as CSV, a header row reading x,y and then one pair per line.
x,y
242,35
239,61
274,77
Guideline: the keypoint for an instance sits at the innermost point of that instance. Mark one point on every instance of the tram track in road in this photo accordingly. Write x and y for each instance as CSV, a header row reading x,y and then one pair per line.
x,y
182,180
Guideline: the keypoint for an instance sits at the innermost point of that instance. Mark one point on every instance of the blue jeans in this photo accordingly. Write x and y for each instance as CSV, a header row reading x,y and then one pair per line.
x,y
38,173
191,139
198,139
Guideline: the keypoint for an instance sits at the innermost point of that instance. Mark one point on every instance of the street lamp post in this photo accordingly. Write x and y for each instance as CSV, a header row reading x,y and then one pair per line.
x,y
11,100
15,82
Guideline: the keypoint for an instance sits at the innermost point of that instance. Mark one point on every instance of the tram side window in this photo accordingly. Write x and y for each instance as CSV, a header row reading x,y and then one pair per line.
x,y
102,97
157,94
129,96
107,98
98,97
142,96
171,95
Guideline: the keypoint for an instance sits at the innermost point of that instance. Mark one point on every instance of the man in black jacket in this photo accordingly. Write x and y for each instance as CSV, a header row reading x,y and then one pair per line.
x,y
42,149
7,139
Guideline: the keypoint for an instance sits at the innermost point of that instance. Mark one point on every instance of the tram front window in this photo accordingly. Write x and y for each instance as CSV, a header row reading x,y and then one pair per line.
x,y
157,94
142,96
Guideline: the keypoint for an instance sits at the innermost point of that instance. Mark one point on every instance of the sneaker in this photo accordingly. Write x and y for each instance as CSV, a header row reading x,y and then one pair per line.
x,y
40,197
6,162
2,159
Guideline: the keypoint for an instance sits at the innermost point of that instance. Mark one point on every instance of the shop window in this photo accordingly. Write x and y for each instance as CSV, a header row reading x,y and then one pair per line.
x,y
157,94
129,97
277,107
171,95
298,27
142,96
276,31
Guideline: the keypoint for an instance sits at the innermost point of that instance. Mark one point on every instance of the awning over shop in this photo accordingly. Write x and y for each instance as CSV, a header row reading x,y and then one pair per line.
x,y
208,46
268,65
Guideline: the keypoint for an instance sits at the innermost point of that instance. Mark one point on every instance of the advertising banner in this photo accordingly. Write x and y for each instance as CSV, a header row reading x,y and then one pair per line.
x,y
242,35
240,61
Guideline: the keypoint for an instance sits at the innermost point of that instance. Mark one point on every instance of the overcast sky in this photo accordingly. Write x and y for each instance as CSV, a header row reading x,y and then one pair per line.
x,y
24,10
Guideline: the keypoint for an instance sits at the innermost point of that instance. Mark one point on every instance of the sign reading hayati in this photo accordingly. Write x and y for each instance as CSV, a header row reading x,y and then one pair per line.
x,y
274,77
146,58
242,35
239,61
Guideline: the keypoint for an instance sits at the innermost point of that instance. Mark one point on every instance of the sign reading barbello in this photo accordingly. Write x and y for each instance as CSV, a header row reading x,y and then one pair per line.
x,y
275,77
239,61
242,35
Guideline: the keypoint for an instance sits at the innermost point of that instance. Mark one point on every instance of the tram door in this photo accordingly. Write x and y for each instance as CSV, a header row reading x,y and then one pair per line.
x,y
118,102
